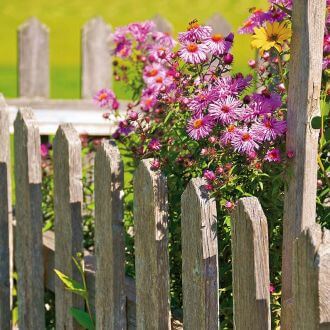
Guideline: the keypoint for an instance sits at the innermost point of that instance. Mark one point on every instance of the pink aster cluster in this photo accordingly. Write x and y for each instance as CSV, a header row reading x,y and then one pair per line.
x,y
245,124
185,95
278,11
199,42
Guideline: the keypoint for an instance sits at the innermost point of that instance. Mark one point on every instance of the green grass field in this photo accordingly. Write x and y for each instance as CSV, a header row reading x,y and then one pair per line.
x,y
65,19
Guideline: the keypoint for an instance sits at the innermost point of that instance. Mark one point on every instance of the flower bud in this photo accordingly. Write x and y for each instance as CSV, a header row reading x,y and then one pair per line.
x,y
230,37
252,64
228,59
133,115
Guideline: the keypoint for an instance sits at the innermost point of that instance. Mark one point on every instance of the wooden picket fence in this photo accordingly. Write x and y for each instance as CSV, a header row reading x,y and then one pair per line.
x,y
120,302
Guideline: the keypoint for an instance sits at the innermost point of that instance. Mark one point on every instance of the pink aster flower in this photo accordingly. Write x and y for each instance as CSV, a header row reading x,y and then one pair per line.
x,y
269,129
163,39
232,85
106,98
209,175
217,44
154,145
123,46
225,110
201,101
148,98
228,135
152,71
270,101
193,53
200,127
140,31
44,150
273,155
195,33
244,141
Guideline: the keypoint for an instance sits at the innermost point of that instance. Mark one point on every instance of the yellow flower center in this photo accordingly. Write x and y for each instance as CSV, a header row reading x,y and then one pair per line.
x,y
231,128
103,96
198,123
246,137
152,73
192,47
217,37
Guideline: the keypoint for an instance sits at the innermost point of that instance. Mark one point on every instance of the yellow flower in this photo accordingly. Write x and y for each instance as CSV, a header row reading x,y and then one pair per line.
x,y
273,35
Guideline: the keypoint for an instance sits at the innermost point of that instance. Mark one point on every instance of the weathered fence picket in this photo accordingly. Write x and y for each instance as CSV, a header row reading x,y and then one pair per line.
x,y
200,284
162,24
5,218
219,24
250,266
311,287
303,104
68,199
96,57
28,249
151,248
33,59
110,300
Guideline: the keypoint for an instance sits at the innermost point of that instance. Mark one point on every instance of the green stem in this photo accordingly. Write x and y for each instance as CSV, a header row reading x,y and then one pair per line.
x,y
281,71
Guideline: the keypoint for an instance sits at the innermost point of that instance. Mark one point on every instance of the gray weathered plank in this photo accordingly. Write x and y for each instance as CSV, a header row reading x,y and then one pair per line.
x,y
68,198
200,283
28,250
5,218
96,57
311,285
219,24
250,266
162,24
33,59
110,298
303,104
151,248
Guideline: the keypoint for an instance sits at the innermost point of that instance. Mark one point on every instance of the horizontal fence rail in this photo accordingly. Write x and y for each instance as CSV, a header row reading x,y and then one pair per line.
x,y
121,302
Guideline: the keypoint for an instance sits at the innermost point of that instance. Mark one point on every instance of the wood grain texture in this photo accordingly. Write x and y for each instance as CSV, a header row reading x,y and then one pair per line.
x,y
96,57
303,104
311,286
110,298
200,283
28,249
250,266
33,59
68,198
5,218
151,248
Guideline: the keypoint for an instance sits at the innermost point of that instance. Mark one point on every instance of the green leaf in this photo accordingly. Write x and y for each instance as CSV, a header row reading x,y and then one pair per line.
x,y
317,122
82,318
168,116
72,285
325,108
47,226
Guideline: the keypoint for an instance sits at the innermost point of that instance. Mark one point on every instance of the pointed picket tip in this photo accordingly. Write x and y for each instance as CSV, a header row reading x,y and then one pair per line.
x,y
219,24
33,23
3,103
162,24
96,23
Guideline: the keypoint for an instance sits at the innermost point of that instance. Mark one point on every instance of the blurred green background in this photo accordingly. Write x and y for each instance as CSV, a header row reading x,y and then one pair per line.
x,y
65,18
